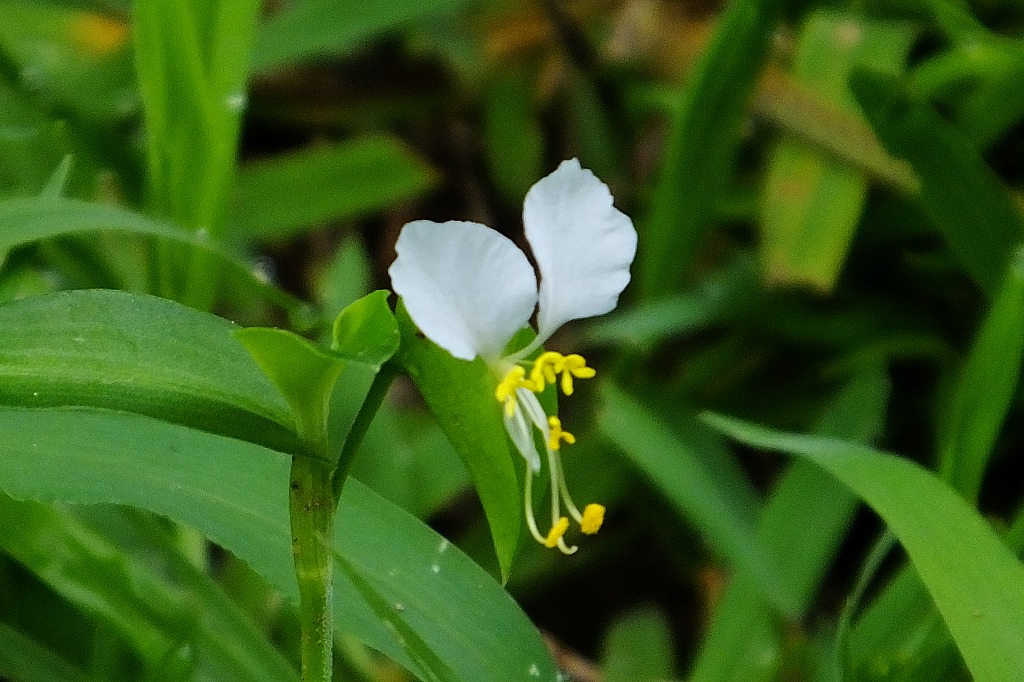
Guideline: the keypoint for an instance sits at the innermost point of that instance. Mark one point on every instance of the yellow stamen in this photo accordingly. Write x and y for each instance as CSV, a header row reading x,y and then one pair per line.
x,y
505,392
545,370
558,435
556,532
574,366
593,517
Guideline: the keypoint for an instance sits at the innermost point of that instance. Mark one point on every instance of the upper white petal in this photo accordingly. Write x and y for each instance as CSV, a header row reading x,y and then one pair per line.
x,y
468,288
582,244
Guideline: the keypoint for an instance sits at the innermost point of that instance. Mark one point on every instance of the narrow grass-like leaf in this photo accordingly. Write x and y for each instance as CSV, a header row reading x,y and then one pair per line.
x,y
976,582
192,62
93,575
34,219
282,195
701,144
512,134
745,638
638,648
23,658
139,354
710,301
460,394
813,200
316,28
236,494
676,466
986,388
963,197
132,599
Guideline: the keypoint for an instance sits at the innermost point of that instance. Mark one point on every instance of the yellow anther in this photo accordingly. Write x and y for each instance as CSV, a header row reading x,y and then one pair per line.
x,y
574,366
545,370
505,392
593,517
558,435
556,532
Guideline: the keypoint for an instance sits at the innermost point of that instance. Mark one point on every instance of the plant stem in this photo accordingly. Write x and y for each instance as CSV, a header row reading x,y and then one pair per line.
x,y
312,506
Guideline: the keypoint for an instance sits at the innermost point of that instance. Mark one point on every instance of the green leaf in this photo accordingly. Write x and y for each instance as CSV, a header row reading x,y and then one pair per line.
x,y
285,194
22,658
74,57
303,372
366,331
192,59
813,200
317,28
976,583
701,144
140,354
705,496
236,494
512,135
460,394
986,388
963,197
638,648
131,599
745,637
34,219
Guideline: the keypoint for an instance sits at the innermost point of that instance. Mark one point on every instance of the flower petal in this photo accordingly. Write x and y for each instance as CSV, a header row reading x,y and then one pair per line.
x,y
468,288
582,244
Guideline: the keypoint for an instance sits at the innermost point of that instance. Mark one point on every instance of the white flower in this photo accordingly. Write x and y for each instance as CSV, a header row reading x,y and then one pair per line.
x,y
470,289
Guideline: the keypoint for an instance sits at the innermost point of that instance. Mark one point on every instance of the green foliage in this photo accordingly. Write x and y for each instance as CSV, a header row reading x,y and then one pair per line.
x,y
461,395
228,453
285,194
973,578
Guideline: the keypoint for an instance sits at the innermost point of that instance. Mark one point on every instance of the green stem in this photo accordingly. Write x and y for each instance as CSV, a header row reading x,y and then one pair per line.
x,y
312,507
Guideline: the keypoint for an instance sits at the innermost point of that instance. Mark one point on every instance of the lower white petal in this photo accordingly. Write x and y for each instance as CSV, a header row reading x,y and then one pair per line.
x,y
467,287
522,436
582,244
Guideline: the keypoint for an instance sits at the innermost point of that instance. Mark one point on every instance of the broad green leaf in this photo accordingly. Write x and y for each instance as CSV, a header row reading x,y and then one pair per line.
x,y
812,199
976,582
140,354
702,139
236,494
317,28
133,600
963,197
986,388
29,220
460,394
713,502
282,195
746,638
